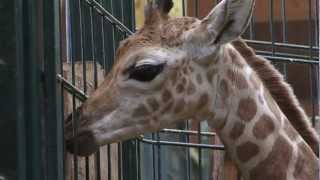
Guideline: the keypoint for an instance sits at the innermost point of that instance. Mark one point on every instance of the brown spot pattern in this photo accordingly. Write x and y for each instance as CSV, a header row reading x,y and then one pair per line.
x,y
140,111
167,108
211,73
180,88
153,103
275,166
174,78
247,109
237,79
185,70
203,101
246,151
237,130
184,80
166,95
264,127
199,78
191,69
191,88
179,106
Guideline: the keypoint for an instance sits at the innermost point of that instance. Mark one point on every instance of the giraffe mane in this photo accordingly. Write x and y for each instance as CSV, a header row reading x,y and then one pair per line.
x,y
282,93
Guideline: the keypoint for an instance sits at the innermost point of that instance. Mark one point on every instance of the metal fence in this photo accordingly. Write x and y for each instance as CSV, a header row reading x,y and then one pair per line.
x,y
285,32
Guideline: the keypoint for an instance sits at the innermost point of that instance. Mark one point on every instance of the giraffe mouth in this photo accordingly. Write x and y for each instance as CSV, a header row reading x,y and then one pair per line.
x,y
84,144
109,129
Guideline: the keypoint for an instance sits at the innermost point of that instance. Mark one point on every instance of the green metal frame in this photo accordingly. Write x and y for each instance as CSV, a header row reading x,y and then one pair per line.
x,y
31,138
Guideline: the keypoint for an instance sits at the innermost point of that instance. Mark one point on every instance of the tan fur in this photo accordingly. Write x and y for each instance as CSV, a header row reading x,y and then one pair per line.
x,y
281,92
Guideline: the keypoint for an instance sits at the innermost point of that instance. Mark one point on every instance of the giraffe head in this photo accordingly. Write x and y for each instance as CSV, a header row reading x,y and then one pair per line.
x,y
160,76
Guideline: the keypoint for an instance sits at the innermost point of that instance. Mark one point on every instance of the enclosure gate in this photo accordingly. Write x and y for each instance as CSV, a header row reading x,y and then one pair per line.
x,y
285,32
61,51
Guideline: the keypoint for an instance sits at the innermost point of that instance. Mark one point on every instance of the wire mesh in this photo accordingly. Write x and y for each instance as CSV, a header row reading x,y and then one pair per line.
x,y
284,32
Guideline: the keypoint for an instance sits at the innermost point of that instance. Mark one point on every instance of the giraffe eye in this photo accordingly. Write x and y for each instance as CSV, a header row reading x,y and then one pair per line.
x,y
145,73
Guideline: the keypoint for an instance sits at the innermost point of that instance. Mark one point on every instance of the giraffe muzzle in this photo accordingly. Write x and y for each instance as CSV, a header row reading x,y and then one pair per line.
x,y
79,141
83,144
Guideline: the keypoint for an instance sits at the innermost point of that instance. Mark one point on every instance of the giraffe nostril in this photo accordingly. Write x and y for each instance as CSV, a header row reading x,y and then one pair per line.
x,y
84,144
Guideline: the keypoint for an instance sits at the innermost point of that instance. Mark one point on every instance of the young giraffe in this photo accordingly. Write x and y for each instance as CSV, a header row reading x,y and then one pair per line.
x,y
182,68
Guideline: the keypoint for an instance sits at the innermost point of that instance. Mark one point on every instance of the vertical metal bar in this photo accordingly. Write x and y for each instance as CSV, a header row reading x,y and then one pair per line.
x,y
109,67
284,21
271,20
84,69
183,7
60,89
74,121
139,157
119,161
113,33
311,67
103,45
317,23
14,89
200,151
109,162
188,153
196,6
54,122
251,29
284,32
159,156
318,66
153,158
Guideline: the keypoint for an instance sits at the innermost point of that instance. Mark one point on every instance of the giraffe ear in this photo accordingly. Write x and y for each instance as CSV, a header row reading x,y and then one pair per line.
x,y
226,22
156,10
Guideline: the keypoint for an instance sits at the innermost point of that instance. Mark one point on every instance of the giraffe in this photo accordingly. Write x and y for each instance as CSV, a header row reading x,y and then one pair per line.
x,y
184,68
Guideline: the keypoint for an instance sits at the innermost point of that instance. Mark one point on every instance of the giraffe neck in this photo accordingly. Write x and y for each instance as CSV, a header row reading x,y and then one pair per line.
x,y
255,132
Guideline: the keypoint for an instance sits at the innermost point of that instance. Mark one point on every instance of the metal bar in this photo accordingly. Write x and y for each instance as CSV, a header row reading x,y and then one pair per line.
x,y
79,94
188,132
109,162
284,32
156,142
199,152
84,69
54,121
159,156
188,145
108,15
153,159
188,153
284,45
251,28
284,21
271,20
285,59
313,100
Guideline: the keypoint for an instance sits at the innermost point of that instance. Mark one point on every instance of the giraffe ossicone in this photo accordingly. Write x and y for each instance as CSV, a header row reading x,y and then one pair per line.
x,y
183,68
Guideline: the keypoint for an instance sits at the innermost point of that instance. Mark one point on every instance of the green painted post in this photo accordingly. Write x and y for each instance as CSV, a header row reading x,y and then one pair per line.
x,y
11,108
53,115
31,143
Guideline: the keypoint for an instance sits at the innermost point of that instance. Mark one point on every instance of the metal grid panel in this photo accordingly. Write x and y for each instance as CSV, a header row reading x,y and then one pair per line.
x,y
95,28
